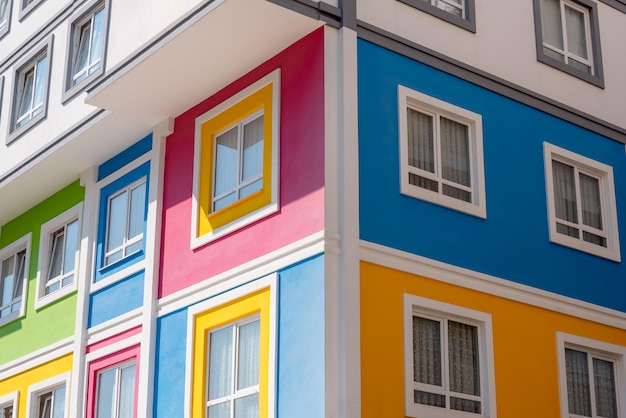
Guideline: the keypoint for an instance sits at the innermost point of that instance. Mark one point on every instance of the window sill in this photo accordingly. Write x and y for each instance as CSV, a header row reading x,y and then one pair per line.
x,y
47,300
596,80
119,266
11,318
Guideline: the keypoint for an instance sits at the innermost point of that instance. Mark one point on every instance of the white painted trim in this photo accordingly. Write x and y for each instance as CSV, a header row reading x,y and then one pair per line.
x,y
152,245
114,326
73,213
458,276
10,399
268,263
36,358
271,78
112,348
22,243
408,98
39,388
121,172
604,173
616,353
418,305
271,282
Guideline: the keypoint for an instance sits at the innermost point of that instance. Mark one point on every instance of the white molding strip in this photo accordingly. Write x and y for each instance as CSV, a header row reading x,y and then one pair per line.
x,y
36,358
262,266
115,326
492,285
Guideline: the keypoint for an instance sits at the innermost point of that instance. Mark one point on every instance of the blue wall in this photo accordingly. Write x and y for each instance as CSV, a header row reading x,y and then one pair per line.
x,y
300,348
513,242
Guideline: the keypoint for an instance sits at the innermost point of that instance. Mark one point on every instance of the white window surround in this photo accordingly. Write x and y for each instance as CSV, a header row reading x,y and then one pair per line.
x,y
239,292
122,395
43,387
197,241
47,229
611,352
10,400
27,6
416,305
20,244
5,16
604,174
411,99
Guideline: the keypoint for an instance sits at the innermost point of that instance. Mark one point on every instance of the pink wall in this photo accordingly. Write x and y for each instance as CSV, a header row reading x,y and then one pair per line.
x,y
301,211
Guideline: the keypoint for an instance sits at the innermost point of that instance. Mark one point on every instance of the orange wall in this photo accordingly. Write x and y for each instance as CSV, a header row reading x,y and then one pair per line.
x,y
524,338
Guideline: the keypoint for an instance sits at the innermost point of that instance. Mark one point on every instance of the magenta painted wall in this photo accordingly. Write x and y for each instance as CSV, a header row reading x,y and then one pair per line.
x,y
301,211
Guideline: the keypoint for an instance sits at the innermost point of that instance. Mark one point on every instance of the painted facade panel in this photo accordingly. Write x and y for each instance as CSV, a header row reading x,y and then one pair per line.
x,y
299,351
119,298
513,241
525,347
301,174
33,331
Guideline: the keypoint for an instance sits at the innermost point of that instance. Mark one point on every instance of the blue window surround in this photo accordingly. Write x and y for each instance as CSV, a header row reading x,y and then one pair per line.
x,y
103,271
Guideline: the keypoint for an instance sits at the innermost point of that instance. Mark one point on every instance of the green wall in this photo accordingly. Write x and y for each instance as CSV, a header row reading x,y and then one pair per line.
x,y
54,322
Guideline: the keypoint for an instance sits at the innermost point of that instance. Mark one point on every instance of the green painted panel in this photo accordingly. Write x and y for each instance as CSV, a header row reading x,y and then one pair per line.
x,y
54,322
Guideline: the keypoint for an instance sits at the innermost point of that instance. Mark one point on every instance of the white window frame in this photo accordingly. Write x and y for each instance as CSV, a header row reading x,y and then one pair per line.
x,y
35,391
128,241
408,98
45,249
27,6
10,400
5,25
235,394
22,244
118,372
604,173
21,69
416,305
598,349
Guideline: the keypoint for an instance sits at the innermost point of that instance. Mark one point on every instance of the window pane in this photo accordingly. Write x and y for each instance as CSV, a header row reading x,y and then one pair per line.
x,y
6,412
127,392
455,165
220,363
4,16
255,186
551,25
71,245
456,193
427,351
58,410
137,211
253,149
8,281
590,201
221,410
604,385
45,405
56,256
117,221
225,201
465,405
82,54
463,358
106,393
26,97
423,182
226,162
421,147
40,81
578,390
576,32
564,192
247,407
96,39
426,398
457,11
248,361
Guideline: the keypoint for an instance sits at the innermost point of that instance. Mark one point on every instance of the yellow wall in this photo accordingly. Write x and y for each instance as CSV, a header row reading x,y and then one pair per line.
x,y
524,338
22,381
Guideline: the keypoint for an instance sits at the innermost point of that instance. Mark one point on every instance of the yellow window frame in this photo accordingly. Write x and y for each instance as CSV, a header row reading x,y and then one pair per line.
x,y
257,303
209,221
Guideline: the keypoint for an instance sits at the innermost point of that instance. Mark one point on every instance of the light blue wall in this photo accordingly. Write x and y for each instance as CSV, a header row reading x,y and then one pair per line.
x,y
115,300
513,242
300,351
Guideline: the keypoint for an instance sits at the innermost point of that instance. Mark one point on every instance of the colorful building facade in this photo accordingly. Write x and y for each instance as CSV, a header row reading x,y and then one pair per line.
x,y
261,208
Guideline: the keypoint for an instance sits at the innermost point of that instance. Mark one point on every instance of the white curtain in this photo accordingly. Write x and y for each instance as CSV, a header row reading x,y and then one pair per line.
x,y
252,157
226,168
463,365
421,148
427,367
576,32
604,385
565,197
578,390
551,25
591,208
220,363
127,392
455,158
248,356
106,394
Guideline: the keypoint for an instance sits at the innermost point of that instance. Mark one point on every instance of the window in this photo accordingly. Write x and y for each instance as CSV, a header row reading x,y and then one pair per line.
x,y
5,16
236,170
48,399
8,405
58,256
51,404
447,364
457,12
125,222
27,6
31,91
6,411
231,369
590,375
116,391
568,38
87,42
581,203
441,153
12,285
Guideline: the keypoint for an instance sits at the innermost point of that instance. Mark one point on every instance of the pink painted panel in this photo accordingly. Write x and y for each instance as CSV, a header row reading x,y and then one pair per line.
x,y
301,173
105,362
118,337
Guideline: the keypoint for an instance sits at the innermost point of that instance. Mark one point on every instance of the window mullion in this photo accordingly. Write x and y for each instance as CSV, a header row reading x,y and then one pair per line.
x,y
564,32
592,386
235,369
240,151
444,361
437,150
